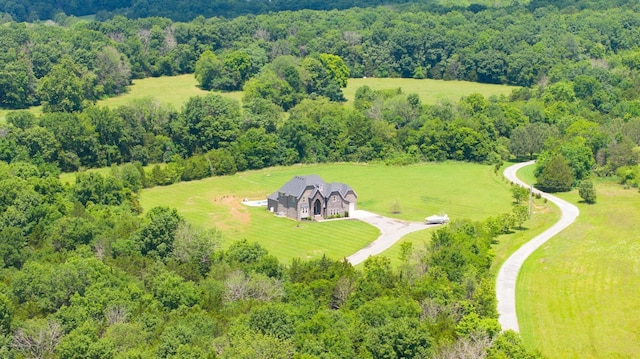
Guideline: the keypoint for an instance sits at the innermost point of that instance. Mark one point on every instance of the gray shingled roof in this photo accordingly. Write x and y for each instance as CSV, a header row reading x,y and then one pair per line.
x,y
297,185
339,187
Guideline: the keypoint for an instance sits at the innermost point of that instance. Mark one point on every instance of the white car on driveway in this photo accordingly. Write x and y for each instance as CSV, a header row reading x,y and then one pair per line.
x,y
437,219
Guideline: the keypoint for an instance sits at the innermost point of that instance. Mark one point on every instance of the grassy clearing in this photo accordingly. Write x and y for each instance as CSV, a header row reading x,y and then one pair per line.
x,y
577,296
70,177
36,110
176,90
173,90
430,91
420,190
527,174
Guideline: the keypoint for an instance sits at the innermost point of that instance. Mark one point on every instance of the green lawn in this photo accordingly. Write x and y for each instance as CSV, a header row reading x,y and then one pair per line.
x,y
174,90
419,190
577,296
527,174
430,91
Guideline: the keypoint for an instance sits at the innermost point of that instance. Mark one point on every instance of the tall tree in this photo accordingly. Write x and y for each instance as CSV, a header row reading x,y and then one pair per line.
x,y
62,89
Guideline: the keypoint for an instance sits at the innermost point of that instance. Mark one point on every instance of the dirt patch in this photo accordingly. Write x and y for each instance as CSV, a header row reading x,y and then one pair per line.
x,y
238,212
541,208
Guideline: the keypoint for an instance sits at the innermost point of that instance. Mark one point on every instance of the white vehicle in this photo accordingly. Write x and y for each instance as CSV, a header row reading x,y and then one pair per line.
x,y
437,219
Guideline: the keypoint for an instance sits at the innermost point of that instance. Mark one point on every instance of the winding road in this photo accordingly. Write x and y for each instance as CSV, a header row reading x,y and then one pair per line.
x,y
508,274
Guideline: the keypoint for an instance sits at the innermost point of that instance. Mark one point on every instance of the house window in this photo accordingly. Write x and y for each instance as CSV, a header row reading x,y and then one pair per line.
x,y
335,198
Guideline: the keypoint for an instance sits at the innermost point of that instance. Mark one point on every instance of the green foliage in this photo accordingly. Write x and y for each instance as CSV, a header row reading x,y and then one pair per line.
x,y
172,291
6,314
206,70
530,139
62,90
587,191
156,238
276,321
555,175
509,345
17,85
519,194
629,175
520,214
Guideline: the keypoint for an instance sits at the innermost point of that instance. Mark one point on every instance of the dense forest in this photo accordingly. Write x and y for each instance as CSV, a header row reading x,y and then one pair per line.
x,y
85,274
32,10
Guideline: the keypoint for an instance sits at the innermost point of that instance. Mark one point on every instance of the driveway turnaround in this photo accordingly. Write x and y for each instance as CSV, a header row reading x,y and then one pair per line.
x,y
506,281
391,230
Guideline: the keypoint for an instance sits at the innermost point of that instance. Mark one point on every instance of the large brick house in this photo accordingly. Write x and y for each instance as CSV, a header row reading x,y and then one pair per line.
x,y
309,197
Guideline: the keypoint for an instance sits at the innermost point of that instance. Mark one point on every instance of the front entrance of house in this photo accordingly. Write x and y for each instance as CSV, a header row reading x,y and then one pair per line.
x,y
317,208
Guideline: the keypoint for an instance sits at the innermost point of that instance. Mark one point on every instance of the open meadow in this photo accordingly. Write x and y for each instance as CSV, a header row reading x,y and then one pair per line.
x,y
173,90
430,91
415,191
577,296
176,90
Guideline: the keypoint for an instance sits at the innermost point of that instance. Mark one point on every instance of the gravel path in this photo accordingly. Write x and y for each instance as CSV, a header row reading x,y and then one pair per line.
x,y
506,281
391,230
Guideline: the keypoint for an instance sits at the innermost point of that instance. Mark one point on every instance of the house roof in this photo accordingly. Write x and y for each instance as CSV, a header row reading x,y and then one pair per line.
x,y
297,185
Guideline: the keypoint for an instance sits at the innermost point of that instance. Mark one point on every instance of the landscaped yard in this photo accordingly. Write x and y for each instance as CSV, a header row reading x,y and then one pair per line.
x,y
577,296
416,191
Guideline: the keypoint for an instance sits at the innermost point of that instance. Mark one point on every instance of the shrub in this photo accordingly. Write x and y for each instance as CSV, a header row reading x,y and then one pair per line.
x,y
587,191
556,176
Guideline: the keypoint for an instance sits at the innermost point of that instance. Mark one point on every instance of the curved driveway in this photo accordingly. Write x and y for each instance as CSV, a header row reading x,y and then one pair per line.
x,y
391,230
506,281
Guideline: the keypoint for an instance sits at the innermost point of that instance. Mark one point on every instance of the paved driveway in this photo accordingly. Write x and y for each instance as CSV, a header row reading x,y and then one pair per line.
x,y
391,230
506,281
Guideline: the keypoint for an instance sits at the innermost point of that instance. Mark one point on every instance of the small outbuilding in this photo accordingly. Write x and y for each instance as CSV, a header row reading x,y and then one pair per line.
x,y
310,197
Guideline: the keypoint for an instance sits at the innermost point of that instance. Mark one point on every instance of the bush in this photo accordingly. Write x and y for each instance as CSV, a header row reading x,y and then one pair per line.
x,y
556,176
629,175
587,191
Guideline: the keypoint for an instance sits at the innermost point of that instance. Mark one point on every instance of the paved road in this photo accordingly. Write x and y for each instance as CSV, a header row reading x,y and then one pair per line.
x,y
506,282
391,230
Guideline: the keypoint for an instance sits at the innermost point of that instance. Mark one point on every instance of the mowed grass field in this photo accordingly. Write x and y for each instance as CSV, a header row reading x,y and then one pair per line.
x,y
176,90
430,91
577,296
462,190
173,90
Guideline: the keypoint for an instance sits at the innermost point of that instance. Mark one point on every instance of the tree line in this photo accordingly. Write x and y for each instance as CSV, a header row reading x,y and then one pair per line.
x,y
214,135
33,10
517,45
